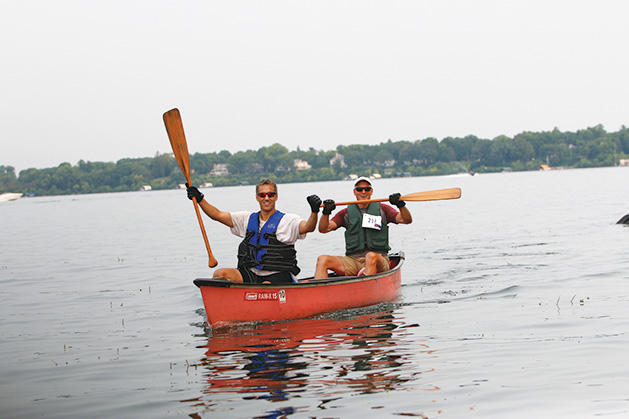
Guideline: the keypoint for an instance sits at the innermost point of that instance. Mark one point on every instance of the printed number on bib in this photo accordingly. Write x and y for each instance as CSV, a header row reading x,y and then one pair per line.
x,y
372,221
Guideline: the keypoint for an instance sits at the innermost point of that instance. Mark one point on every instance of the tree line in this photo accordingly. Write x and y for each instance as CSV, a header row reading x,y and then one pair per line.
x,y
591,147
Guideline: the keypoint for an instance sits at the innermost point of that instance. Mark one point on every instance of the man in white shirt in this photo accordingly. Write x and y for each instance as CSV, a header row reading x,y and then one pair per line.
x,y
267,253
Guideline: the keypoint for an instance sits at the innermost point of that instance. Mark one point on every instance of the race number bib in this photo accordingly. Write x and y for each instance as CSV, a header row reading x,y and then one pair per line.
x,y
372,221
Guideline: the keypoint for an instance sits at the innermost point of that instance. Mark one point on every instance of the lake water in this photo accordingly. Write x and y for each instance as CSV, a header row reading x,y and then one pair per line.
x,y
514,304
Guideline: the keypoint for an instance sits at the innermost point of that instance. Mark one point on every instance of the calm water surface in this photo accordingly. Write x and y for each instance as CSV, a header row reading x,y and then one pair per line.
x,y
514,303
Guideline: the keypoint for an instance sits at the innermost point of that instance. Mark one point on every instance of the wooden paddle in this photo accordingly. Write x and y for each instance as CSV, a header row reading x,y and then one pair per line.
x,y
174,128
437,195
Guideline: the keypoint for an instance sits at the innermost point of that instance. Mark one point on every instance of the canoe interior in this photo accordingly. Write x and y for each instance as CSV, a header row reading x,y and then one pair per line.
x,y
396,260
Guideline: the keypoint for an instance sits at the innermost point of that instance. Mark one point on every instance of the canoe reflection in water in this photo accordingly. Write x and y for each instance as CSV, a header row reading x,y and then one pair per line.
x,y
317,357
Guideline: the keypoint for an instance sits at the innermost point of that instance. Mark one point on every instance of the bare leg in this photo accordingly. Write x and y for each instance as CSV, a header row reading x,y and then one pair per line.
x,y
372,260
325,262
231,274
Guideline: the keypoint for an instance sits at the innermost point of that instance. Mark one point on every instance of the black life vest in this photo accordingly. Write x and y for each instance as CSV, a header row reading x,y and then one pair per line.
x,y
260,249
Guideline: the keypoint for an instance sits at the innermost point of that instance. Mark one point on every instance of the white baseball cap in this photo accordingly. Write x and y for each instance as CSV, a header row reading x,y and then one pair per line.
x,y
360,179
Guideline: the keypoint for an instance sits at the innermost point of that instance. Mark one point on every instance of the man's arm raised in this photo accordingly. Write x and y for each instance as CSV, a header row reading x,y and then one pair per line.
x,y
308,226
211,211
325,225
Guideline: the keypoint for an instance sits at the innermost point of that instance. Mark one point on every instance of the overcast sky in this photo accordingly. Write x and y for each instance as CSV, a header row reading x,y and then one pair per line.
x,y
91,79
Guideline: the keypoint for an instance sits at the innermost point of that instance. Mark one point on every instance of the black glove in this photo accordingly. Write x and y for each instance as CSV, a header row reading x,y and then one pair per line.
x,y
315,203
328,206
394,199
193,192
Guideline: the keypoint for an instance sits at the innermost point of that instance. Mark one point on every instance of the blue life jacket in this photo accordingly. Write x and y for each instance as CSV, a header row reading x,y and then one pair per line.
x,y
261,249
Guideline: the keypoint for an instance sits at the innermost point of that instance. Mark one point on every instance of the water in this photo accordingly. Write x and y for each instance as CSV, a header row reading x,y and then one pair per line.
x,y
514,303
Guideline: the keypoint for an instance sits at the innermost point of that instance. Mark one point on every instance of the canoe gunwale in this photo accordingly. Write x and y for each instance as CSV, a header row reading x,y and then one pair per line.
x,y
306,282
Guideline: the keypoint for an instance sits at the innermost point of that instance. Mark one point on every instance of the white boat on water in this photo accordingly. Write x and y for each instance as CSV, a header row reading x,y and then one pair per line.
x,y
10,196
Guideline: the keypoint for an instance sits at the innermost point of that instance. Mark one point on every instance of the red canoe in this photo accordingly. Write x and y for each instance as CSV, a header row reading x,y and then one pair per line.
x,y
228,303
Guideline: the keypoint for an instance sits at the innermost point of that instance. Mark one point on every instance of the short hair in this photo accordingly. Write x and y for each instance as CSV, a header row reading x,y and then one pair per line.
x,y
266,182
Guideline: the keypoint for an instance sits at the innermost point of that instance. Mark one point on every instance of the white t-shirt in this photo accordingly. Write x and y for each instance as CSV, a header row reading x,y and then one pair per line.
x,y
287,230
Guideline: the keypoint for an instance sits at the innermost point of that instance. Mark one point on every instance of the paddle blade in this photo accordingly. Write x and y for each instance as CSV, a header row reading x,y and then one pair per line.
x,y
177,137
437,195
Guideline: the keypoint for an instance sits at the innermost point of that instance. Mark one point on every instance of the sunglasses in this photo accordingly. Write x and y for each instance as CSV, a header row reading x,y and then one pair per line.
x,y
269,194
362,188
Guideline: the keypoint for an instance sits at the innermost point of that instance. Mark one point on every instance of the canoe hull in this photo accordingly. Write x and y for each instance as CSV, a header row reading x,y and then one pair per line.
x,y
228,303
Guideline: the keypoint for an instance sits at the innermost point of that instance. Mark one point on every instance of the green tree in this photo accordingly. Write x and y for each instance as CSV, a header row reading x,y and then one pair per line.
x,y
162,165
522,150
394,148
354,155
429,150
446,153
64,178
623,137
240,161
410,153
273,157
8,180
462,146
481,153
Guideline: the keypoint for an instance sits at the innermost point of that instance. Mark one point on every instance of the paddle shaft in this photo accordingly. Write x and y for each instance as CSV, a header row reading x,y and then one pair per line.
x,y
177,137
436,195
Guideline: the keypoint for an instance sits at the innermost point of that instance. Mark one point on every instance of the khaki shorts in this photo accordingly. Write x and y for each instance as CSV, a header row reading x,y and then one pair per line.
x,y
353,264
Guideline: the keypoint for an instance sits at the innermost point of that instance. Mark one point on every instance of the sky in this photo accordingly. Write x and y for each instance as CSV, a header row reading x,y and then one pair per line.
x,y
90,80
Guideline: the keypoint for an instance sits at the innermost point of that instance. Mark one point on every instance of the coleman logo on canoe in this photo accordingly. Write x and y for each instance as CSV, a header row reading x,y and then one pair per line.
x,y
266,296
